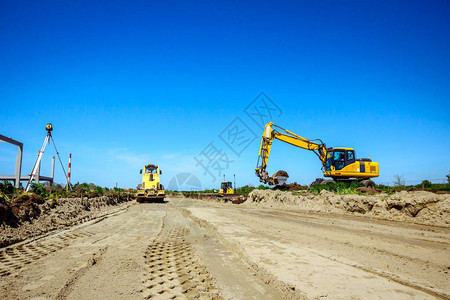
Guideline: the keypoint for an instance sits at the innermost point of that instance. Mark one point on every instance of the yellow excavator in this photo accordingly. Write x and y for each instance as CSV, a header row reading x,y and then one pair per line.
x,y
340,163
151,187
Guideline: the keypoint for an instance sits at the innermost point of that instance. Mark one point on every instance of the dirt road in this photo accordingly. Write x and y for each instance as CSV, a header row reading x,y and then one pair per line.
x,y
145,251
336,256
188,248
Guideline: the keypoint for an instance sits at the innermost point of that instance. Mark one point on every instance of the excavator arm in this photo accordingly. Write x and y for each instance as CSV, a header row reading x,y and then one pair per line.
x,y
317,146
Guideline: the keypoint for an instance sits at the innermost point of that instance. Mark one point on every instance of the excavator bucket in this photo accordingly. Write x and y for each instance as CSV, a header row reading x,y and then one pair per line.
x,y
280,177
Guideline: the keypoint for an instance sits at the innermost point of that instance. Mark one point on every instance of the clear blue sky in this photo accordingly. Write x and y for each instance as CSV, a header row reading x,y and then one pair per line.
x,y
132,82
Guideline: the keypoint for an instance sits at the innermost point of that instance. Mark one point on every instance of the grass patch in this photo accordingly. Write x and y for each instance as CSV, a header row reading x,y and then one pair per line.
x,y
341,188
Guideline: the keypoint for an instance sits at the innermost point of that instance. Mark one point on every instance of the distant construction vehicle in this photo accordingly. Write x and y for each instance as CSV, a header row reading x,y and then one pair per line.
x,y
151,188
226,187
340,163
227,192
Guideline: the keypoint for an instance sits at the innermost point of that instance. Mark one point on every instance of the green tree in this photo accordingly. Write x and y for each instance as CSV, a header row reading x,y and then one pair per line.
x,y
245,189
85,187
426,184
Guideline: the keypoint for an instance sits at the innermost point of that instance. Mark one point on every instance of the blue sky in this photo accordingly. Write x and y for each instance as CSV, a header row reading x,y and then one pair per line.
x,y
132,82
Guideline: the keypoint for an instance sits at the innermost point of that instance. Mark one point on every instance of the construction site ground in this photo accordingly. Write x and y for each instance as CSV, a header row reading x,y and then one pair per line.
x,y
190,248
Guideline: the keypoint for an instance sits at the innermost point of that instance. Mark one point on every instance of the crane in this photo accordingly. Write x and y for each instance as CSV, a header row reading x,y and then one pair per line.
x,y
339,163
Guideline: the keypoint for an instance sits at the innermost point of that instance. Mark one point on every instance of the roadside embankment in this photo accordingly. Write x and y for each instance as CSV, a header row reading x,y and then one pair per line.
x,y
233,198
30,215
416,206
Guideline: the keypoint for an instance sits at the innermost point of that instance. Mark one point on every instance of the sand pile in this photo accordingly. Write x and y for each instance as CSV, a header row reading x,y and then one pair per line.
x,y
416,206
32,217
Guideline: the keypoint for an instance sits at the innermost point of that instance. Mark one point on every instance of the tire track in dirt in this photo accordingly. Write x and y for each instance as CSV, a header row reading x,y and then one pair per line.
x,y
14,258
68,287
17,256
173,269
289,217
286,290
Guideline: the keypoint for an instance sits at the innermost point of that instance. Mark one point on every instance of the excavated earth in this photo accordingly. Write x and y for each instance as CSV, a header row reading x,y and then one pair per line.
x,y
416,206
275,245
30,216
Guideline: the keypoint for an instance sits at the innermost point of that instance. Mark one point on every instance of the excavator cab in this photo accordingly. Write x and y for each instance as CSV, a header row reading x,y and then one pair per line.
x,y
339,158
342,164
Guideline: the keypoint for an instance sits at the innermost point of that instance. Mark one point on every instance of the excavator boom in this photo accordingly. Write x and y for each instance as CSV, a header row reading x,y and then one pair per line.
x,y
317,146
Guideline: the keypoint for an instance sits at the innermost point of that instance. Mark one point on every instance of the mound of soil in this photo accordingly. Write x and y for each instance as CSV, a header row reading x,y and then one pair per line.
x,y
31,216
416,206
296,187
233,198
4,211
367,190
280,173
24,208
290,187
